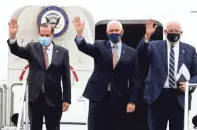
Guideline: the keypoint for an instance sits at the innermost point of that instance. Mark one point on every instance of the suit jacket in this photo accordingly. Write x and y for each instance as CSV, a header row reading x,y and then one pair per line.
x,y
124,78
51,77
156,51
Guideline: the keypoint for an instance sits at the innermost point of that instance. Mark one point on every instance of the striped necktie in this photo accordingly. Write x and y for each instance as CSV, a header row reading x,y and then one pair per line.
x,y
172,81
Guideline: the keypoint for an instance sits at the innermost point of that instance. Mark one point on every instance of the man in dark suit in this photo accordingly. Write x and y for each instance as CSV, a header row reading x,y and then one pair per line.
x,y
164,94
113,86
48,64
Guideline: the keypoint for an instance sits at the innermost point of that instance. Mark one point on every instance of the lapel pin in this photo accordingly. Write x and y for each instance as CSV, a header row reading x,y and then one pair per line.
x,y
183,51
56,50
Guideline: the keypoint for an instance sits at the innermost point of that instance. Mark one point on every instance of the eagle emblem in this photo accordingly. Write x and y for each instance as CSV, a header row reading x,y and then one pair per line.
x,y
57,17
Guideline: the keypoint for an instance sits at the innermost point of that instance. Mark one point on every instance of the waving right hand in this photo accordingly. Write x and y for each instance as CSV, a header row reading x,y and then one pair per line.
x,y
149,29
13,28
79,25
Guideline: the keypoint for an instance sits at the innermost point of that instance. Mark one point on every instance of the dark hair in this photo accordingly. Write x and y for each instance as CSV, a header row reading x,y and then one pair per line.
x,y
46,25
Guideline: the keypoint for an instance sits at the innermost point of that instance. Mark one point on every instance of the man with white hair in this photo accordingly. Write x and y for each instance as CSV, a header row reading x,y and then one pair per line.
x,y
164,93
112,89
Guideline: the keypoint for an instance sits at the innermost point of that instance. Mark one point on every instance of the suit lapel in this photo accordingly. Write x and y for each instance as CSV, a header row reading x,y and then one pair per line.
x,y
109,54
181,55
54,54
164,53
39,49
122,55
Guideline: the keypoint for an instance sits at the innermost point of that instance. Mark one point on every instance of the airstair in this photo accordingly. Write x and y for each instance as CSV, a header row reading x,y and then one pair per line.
x,y
20,121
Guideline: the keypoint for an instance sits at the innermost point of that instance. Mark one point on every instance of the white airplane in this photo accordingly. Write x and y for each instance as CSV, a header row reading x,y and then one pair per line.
x,y
81,65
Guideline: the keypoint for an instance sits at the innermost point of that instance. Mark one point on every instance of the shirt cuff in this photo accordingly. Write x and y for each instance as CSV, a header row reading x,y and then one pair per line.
x,y
12,41
146,41
79,40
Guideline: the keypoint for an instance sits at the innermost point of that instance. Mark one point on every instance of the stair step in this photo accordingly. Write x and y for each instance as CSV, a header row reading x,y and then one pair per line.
x,y
10,128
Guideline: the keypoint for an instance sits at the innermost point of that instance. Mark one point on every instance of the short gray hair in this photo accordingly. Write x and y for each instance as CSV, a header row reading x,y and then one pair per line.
x,y
114,22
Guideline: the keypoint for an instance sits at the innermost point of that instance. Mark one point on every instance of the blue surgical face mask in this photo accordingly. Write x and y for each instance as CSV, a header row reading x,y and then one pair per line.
x,y
114,37
45,41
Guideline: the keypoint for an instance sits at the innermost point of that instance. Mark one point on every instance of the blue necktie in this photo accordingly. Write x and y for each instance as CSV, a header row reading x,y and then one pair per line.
x,y
172,80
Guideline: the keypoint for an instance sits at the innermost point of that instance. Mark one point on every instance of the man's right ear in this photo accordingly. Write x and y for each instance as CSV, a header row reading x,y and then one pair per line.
x,y
122,33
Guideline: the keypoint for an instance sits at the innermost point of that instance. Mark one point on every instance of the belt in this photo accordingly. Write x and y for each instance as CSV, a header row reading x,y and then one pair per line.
x,y
170,89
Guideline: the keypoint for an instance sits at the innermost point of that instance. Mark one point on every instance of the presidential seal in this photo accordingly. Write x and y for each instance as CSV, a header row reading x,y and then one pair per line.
x,y
57,17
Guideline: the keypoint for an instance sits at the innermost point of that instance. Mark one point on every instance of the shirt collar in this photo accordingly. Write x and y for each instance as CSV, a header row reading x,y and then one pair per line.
x,y
119,44
50,47
175,45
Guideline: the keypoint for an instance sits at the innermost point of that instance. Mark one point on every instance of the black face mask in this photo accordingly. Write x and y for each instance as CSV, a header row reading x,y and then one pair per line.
x,y
173,37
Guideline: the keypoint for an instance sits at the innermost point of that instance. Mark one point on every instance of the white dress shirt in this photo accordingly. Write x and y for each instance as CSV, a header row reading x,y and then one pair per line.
x,y
49,50
176,58
119,44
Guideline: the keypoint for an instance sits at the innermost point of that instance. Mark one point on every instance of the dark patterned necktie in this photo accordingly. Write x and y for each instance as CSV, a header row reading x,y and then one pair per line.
x,y
172,81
